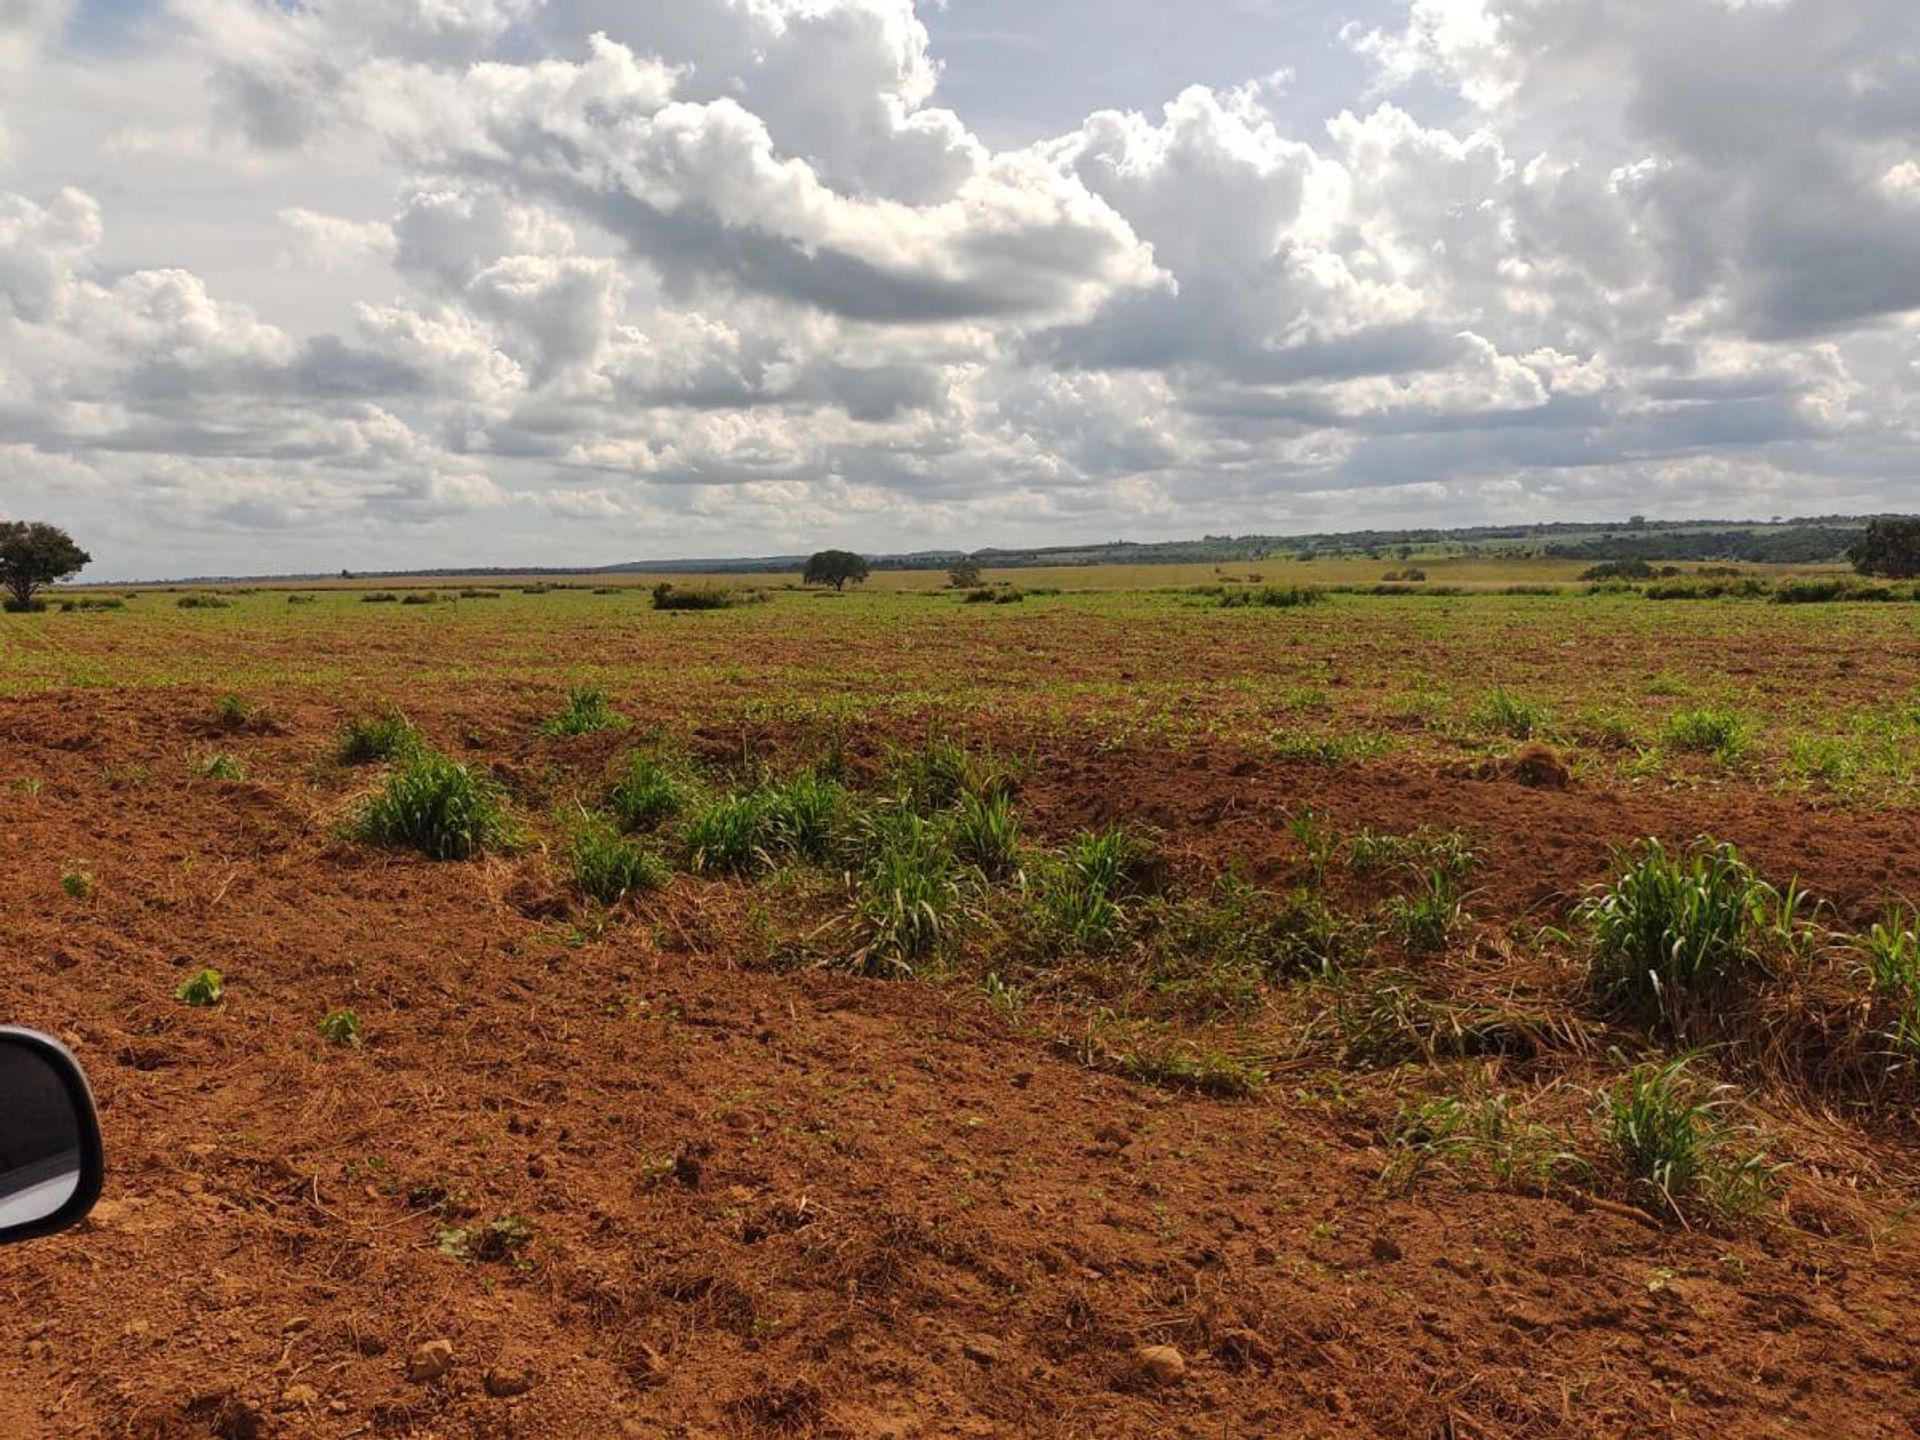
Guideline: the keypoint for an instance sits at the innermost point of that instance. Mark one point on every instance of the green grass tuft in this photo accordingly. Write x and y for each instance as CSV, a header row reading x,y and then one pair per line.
x,y
201,989
372,739
586,712
436,806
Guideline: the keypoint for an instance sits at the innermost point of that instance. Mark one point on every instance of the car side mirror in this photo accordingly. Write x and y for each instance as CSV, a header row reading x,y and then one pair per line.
x,y
50,1160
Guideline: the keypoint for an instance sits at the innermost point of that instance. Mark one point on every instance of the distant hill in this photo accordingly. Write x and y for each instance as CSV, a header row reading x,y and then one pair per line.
x,y
1804,541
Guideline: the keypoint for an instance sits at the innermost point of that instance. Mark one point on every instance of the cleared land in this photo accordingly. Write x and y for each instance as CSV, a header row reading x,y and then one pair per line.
x,y
976,994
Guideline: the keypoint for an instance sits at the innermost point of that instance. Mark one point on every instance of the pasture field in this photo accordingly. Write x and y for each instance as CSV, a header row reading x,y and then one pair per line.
x,y
1107,1014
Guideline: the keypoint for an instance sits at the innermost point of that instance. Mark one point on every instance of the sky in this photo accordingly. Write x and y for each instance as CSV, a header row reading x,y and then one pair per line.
x,y
403,283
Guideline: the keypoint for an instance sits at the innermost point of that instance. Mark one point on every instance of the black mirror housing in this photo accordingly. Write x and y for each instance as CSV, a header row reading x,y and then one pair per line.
x,y
51,1163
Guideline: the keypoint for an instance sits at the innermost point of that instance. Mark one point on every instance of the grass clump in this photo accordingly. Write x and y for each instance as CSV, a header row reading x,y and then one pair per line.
x,y
202,989
607,867
77,882
1724,734
342,1028
1678,1153
1891,950
986,834
649,792
806,816
1489,1131
421,597
1192,1068
202,601
942,772
586,712
907,900
1425,919
1672,932
436,806
379,597
1271,597
376,737
729,835
1082,892
1502,713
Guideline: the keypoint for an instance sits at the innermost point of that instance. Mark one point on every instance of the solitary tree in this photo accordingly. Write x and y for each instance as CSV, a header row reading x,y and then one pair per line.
x,y
1890,547
964,575
835,568
33,555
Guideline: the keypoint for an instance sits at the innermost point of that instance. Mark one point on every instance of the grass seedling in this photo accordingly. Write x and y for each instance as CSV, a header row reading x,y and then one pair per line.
x,y
436,806
201,989
585,713
218,766
342,1028
1891,950
77,882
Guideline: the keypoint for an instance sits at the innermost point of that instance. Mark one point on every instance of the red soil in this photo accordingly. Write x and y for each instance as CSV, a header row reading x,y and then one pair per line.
x,y
804,1204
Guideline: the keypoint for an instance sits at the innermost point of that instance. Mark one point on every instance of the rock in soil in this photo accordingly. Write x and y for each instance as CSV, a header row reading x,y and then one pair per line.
x,y
1160,1364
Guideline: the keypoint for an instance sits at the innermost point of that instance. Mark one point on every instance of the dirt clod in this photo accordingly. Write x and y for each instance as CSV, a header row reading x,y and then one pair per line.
x,y
503,1382
1160,1364
429,1361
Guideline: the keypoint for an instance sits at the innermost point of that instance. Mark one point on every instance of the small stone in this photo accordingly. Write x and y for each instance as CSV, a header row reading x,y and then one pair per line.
x,y
1161,1364
503,1382
429,1361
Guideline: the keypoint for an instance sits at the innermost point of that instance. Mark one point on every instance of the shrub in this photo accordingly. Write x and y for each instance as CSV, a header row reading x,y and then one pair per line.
x,y
1272,597
436,806
977,597
1618,570
667,596
986,834
649,791
201,989
92,602
371,739
608,868
1724,734
341,1027
1668,1136
1672,932
1009,596
479,594
585,713
421,597
303,599
201,601
379,597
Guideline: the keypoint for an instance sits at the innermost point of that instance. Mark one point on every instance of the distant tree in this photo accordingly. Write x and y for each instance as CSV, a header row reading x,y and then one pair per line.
x,y
33,555
1890,547
964,575
835,568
